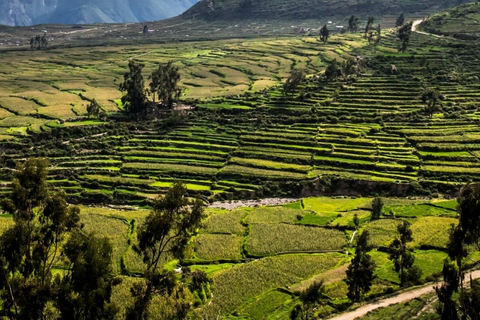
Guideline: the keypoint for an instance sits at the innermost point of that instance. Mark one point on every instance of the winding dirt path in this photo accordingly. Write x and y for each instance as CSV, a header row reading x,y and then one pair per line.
x,y
402,297
417,23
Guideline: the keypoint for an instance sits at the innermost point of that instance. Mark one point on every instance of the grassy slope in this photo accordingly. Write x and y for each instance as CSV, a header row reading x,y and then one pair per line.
x,y
461,21
287,9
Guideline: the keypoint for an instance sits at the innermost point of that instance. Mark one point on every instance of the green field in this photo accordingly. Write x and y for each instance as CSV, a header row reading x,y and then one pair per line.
x,y
244,138
327,148
259,258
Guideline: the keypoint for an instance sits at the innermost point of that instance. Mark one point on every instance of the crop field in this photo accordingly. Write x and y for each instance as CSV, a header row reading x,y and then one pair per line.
x,y
258,258
244,138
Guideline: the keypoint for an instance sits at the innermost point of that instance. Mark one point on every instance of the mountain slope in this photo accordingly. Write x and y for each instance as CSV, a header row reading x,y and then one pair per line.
x,y
462,22
309,9
28,12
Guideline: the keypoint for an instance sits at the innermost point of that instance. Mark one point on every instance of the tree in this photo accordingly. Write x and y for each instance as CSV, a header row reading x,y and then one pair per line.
x,y
134,99
29,249
348,68
369,25
85,290
400,20
332,71
378,35
164,83
402,256
451,281
145,29
471,300
432,98
360,271
39,42
469,210
353,23
313,295
324,34
404,34
377,207
93,109
467,232
293,81
166,230
356,221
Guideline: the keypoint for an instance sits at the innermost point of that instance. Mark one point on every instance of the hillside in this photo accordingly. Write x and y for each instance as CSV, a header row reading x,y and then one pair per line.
x,y
303,9
461,22
23,12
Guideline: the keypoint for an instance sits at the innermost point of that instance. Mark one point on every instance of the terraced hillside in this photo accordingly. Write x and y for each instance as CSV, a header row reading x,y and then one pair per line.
x,y
369,135
460,22
285,9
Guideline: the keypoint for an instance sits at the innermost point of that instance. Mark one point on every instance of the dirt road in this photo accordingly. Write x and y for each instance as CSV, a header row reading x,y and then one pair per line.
x,y
402,297
417,23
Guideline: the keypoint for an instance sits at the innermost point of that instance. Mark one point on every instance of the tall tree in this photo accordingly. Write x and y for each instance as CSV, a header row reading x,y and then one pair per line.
x,y
164,83
30,248
431,97
293,81
400,20
402,256
369,25
469,210
93,109
377,207
313,295
467,232
360,271
85,290
324,34
166,230
332,71
134,99
451,281
348,67
404,34
353,23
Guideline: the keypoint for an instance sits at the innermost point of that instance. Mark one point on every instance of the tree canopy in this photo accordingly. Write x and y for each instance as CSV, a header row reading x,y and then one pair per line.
x,y
33,246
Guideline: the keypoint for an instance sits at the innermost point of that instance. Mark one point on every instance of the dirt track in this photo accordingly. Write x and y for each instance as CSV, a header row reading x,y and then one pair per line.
x,y
402,297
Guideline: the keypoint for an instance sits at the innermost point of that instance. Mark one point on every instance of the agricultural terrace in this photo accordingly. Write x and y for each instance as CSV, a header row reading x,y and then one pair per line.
x,y
244,138
258,259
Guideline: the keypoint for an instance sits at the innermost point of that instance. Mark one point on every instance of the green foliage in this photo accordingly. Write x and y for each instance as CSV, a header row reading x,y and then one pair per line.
x,y
360,271
403,257
93,109
293,81
377,207
310,298
451,283
333,70
469,209
167,229
324,34
164,83
400,20
432,98
404,34
134,99
29,249
353,24
369,26
348,68
86,288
